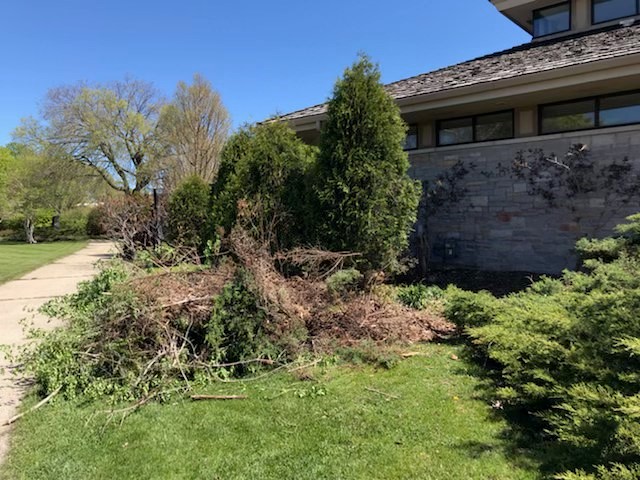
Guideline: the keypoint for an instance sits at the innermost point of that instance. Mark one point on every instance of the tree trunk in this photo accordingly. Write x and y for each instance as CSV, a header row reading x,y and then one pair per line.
x,y
28,230
55,221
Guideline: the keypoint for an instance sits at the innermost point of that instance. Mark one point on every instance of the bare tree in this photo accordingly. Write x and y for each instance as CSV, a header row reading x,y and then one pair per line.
x,y
195,126
111,128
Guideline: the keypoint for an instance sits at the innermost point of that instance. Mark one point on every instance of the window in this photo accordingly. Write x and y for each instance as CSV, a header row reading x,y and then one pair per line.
x,y
619,110
494,126
606,10
605,111
411,141
480,128
452,132
554,19
569,116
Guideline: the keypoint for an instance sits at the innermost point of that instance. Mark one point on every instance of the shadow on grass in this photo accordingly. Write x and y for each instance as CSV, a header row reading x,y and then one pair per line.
x,y
524,442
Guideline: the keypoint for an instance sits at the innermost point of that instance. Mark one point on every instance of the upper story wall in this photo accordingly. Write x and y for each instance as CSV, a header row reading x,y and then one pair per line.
x,y
570,16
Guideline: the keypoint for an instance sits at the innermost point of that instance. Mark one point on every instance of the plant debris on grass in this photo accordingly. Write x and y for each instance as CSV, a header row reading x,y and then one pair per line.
x,y
138,335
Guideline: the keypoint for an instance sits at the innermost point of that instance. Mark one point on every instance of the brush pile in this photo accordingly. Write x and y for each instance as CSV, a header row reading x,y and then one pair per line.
x,y
133,334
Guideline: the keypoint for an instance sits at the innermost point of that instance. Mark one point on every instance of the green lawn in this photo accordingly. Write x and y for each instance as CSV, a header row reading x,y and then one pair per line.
x,y
16,259
327,427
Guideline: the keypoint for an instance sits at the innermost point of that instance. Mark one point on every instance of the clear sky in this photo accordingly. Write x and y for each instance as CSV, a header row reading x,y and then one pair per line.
x,y
264,57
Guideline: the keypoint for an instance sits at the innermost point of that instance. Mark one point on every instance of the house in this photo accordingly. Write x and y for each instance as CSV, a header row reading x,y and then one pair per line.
x,y
577,83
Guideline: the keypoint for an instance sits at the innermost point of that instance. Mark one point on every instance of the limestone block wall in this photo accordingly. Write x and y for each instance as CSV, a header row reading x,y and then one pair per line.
x,y
498,225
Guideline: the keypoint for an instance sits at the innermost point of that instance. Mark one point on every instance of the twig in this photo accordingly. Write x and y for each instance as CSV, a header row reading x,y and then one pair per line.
x,y
35,407
308,365
218,397
181,302
388,395
264,361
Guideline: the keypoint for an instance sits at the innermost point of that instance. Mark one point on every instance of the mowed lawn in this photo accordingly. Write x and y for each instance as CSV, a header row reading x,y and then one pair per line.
x,y
16,259
421,419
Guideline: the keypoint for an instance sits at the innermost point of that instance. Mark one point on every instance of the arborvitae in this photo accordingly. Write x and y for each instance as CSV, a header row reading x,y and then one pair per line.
x,y
266,168
367,202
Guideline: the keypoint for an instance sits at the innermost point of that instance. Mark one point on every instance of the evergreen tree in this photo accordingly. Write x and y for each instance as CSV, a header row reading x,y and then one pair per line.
x,y
367,202
265,168
188,212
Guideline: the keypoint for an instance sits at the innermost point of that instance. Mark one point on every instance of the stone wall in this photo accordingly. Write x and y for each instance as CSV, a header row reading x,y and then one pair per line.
x,y
499,225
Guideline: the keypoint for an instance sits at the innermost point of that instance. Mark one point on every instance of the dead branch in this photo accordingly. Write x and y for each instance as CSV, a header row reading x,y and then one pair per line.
x,y
35,407
218,397
387,395
319,263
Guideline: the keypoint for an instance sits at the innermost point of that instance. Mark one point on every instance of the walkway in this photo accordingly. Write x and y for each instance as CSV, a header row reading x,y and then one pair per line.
x,y
20,299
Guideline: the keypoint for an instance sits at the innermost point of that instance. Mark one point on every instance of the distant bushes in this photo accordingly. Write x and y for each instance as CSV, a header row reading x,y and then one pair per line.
x,y
80,222
567,351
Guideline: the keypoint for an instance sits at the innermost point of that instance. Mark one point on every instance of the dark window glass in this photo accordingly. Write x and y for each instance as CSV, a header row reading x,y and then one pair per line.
x,y
411,141
568,116
604,10
620,110
552,20
494,126
456,131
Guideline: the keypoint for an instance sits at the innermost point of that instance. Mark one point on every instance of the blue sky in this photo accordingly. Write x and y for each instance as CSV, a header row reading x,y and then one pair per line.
x,y
264,57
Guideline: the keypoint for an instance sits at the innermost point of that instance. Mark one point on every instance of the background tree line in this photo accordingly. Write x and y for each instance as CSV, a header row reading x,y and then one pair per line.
x,y
99,141
123,139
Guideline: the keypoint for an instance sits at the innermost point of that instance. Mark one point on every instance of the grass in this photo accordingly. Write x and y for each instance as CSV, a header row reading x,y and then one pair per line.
x,y
326,425
16,259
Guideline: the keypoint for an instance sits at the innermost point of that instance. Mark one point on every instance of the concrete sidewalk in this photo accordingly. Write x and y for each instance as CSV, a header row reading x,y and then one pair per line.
x,y
20,299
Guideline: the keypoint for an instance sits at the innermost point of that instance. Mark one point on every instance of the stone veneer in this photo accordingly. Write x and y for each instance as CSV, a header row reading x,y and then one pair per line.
x,y
499,226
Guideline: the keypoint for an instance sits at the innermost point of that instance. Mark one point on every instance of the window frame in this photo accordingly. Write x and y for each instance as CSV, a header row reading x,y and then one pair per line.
x,y
569,3
409,127
593,14
474,123
597,99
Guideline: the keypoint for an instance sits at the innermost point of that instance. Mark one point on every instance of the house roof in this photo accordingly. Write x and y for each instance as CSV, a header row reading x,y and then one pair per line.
x,y
530,58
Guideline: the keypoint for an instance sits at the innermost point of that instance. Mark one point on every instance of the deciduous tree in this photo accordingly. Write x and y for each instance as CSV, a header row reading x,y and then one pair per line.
x,y
195,126
111,128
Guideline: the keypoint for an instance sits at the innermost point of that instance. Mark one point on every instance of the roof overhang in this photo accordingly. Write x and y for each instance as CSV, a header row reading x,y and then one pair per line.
x,y
520,12
573,78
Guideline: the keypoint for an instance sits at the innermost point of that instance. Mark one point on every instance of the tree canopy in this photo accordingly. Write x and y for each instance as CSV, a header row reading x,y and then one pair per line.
x,y
110,128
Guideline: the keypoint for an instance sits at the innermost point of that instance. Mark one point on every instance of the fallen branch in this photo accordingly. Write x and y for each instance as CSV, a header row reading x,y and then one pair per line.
x,y
35,407
388,395
264,361
218,397
410,354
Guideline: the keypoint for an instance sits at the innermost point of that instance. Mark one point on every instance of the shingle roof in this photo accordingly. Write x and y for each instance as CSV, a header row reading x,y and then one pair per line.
x,y
534,57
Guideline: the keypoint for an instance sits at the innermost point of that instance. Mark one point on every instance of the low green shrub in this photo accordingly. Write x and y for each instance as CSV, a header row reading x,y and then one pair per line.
x,y
468,309
344,281
614,472
419,296
567,351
